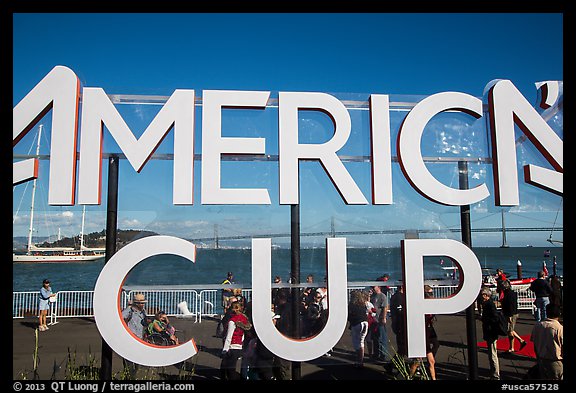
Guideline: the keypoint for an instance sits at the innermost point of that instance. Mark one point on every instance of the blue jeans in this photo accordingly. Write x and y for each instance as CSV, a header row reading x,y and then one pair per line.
x,y
540,311
383,347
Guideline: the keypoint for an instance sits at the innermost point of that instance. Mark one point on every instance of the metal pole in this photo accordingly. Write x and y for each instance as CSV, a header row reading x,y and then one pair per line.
x,y
470,312
111,234
295,276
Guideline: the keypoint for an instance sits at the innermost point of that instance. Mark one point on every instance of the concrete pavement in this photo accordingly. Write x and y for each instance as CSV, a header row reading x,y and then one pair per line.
x,y
72,347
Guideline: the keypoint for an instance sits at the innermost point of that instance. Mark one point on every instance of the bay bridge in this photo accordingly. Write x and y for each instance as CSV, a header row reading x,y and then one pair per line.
x,y
407,233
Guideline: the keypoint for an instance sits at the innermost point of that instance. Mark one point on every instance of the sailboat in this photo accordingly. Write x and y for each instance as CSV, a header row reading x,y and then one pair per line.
x,y
56,254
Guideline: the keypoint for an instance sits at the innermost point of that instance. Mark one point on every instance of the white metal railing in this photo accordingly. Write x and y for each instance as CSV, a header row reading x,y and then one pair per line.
x,y
208,302
525,297
24,304
72,304
166,300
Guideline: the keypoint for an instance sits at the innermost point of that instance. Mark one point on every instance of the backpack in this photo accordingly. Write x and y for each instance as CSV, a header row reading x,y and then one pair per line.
x,y
501,325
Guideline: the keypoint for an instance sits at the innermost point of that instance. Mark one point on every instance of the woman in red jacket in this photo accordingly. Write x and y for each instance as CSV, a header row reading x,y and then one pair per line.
x,y
233,343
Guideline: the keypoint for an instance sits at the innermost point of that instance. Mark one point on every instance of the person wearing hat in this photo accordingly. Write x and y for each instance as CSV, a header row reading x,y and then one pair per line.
x,y
227,293
45,296
135,315
137,321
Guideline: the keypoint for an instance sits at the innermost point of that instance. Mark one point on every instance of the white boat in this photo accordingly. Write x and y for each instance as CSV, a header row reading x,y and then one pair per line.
x,y
59,254
56,254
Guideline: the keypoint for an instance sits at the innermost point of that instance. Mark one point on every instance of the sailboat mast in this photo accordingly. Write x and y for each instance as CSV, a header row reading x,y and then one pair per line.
x,y
82,231
31,228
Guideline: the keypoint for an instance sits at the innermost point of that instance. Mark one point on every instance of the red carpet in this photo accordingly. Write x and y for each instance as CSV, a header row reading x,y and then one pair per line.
x,y
503,344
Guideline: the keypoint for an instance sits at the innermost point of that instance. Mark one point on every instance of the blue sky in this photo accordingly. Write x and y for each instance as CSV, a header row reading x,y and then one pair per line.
x,y
397,54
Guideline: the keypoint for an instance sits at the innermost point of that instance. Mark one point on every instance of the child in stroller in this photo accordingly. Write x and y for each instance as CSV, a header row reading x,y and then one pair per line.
x,y
160,332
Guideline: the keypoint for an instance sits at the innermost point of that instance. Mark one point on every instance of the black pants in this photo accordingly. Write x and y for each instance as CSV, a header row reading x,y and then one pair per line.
x,y
401,343
228,365
281,369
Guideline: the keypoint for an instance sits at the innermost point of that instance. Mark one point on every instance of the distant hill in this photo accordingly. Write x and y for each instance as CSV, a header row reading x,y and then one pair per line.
x,y
91,240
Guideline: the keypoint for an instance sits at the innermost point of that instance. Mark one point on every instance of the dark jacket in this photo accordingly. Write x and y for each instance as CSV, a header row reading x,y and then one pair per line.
x,y
284,323
356,314
510,303
313,319
397,308
489,321
541,288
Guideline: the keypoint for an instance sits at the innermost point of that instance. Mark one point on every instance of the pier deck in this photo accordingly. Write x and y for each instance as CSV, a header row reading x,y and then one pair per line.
x,y
75,344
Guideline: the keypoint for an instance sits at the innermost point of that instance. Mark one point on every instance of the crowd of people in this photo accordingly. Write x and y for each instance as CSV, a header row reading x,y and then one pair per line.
x,y
370,312
368,318
547,334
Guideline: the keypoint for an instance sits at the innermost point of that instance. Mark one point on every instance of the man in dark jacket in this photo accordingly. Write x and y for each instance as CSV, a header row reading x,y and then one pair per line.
x,y
397,313
542,290
489,333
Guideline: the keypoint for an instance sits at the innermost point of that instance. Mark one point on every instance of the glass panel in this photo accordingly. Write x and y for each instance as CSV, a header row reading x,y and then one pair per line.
x,y
501,236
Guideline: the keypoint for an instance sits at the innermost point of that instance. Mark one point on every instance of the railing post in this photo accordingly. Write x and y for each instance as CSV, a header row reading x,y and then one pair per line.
x,y
53,316
470,311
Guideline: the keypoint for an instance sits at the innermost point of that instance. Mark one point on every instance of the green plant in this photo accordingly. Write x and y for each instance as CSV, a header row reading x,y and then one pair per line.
x,y
81,372
185,373
408,370
24,374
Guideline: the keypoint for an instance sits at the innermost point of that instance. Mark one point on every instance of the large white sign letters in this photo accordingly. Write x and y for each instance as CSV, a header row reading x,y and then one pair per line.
x,y
60,91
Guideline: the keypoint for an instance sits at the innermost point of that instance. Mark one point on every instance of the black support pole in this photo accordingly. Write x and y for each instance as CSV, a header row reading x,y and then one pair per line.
x,y
295,276
470,312
111,234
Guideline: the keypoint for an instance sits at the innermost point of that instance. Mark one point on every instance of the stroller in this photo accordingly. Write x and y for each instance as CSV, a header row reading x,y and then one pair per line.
x,y
165,337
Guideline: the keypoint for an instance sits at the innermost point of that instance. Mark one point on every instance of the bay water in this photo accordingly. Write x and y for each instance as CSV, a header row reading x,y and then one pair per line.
x,y
212,265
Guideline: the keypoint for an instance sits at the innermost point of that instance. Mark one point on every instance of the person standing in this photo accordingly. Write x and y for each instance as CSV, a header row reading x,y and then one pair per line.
x,y
313,316
135,315
500,278
432,343
542,290
548,338
489,333
397,313
358,319
276,291
44,304
556,295
227,300
380,302
284,324
137,321
227,293
234,342
510,311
